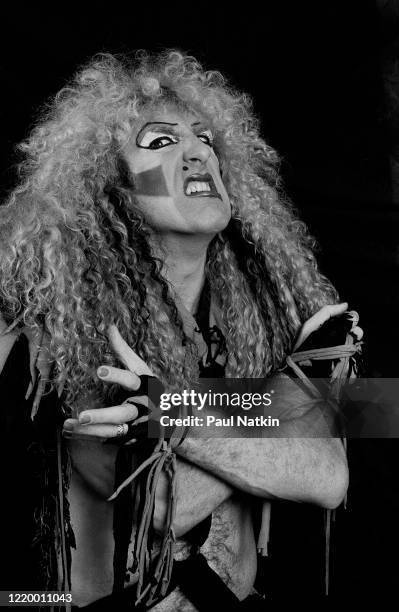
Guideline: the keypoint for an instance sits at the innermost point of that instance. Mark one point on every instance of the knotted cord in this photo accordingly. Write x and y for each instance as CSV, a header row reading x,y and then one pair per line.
x,y
154,572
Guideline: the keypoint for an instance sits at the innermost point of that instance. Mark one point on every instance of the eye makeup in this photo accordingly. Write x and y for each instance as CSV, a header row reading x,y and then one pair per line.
x,y
206,136
147,137
156,140
162,127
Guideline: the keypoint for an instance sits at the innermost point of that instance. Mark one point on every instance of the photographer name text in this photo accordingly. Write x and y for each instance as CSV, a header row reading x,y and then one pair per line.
x,y
212,421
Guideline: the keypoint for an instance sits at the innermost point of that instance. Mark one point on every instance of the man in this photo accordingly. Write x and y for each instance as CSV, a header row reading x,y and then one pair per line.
x,y
148,217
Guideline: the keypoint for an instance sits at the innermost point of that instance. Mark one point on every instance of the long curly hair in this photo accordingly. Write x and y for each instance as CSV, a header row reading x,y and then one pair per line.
x,y
75,252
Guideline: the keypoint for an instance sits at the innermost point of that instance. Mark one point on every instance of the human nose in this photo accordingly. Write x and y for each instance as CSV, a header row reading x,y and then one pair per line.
x,y
196,151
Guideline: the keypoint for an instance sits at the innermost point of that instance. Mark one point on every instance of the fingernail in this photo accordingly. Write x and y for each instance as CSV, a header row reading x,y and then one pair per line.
x,y
103,372
68,425
84,418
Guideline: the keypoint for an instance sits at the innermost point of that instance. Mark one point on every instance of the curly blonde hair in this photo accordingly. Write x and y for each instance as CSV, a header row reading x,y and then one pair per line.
x,y
75,254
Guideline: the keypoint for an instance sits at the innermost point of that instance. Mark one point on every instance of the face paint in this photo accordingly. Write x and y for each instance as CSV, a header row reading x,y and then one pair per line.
x,y
151,182
176,174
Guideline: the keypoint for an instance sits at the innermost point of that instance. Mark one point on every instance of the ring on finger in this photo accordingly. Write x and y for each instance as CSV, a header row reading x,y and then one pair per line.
x,y
121,430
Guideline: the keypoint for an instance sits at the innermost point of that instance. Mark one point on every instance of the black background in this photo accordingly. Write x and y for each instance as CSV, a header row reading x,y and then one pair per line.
x,y
316,72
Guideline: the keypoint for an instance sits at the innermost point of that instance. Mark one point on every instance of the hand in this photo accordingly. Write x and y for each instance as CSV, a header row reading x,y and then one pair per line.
x,y
325,313
111,422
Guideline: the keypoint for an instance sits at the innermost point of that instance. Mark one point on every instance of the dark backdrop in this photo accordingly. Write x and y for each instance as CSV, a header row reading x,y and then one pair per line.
x,y
318,75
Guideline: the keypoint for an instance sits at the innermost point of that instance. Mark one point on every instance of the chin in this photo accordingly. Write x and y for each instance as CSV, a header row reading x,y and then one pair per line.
x,y
214,220
210,226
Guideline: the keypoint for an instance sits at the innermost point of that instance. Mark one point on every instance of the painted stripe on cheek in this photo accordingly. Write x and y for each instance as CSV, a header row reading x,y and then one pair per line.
x,y
151,182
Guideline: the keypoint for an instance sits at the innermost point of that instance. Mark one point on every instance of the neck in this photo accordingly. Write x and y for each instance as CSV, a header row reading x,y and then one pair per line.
x,y
184,269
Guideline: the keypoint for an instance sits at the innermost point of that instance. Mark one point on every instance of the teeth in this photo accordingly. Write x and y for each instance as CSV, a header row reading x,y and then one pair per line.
x,y
196,186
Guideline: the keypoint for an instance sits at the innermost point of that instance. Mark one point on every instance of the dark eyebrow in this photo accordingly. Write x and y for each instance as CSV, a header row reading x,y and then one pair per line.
x,y
154,123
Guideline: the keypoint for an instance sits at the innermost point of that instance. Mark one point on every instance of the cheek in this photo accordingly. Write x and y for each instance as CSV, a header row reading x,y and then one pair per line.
x,y
151,182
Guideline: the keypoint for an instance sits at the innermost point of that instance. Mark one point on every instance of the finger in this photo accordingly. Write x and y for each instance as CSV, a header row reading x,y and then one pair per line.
x,y
353,316
317,320
127,356
112,414
325,313
96,431
70,424
358,332
125,378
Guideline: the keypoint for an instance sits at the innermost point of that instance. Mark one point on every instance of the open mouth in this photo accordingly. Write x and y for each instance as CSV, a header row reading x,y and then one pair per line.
x,y
201,185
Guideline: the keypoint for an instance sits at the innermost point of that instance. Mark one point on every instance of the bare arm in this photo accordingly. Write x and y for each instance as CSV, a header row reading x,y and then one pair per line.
x,y
309,470
198,494
289,467
304,463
